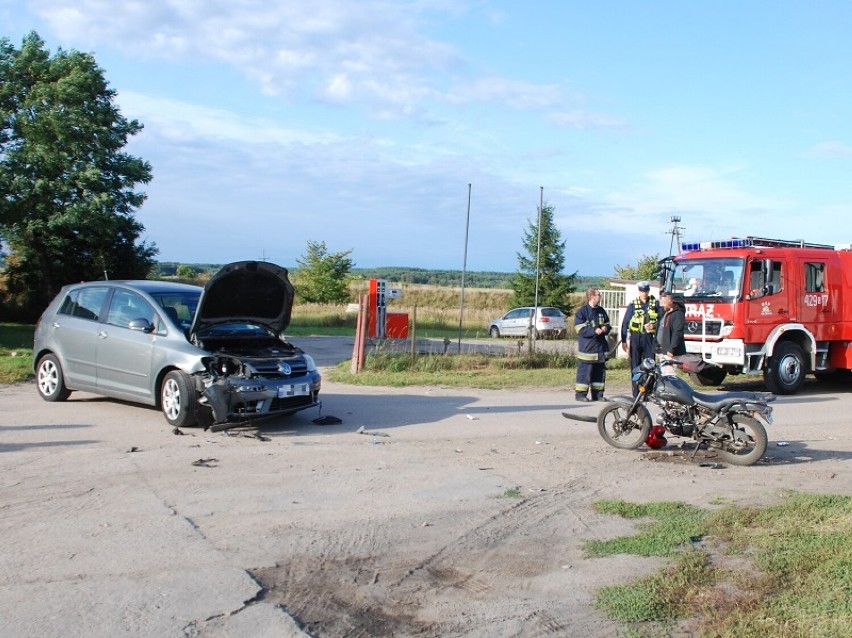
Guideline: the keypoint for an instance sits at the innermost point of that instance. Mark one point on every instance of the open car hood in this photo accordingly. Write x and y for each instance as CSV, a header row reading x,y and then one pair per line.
x,y
254,292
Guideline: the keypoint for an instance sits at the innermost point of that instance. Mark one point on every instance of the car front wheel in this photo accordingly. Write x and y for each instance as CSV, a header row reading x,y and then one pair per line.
x,y
50,380
495,331
178,400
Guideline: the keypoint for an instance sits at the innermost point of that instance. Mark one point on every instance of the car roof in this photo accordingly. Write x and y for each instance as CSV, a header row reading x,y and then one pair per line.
x,y
145,285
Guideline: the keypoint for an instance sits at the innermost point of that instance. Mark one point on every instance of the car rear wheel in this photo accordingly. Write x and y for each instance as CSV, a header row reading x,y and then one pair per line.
x,y
50,380
178,400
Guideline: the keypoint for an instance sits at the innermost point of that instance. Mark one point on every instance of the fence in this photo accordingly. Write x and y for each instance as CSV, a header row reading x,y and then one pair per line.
x,y
615,303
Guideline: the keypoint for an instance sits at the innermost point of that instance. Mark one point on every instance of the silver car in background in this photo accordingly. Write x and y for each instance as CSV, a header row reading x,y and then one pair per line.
x,y
211,355
550,322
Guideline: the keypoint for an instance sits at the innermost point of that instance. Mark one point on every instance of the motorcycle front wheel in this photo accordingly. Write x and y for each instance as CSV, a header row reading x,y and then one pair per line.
x,y
621,431
747,443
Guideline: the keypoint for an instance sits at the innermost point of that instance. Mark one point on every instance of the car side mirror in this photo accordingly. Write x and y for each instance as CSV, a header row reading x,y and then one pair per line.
x,y
142,325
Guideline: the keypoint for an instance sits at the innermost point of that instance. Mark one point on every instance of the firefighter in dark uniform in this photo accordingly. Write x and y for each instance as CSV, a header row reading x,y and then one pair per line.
x,y
640,327
592,326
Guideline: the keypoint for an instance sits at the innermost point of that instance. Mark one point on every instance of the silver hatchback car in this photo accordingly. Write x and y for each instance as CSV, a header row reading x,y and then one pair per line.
x,y
549,322
210,356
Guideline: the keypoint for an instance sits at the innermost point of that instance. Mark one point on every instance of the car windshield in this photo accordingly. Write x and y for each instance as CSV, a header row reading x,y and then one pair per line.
x,y
711,277
183,303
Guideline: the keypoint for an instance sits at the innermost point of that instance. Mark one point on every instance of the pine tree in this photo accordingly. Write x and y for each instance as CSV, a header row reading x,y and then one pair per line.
x,y
554,287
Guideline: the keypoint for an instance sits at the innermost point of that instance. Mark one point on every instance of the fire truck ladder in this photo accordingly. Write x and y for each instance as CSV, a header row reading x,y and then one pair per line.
x,y
785,243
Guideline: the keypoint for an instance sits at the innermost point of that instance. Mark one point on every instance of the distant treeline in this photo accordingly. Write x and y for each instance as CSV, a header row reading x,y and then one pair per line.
x,y
402,275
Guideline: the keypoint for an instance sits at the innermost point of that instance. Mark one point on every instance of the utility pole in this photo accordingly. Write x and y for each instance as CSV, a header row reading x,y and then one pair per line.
x,y
464,266
537,268
675,233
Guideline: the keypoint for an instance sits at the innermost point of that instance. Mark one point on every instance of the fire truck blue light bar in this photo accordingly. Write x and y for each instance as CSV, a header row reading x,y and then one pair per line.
x,y
708,245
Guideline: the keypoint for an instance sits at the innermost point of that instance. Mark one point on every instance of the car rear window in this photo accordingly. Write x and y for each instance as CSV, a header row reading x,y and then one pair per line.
x,y
551,312
85,303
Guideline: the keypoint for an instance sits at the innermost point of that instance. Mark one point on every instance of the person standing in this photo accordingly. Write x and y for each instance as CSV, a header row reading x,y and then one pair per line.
x,y
640,327
670,341
592,326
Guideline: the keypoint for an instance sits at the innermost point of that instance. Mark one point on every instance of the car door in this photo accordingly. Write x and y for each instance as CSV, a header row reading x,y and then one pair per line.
x,y
124,355
517,321
73,333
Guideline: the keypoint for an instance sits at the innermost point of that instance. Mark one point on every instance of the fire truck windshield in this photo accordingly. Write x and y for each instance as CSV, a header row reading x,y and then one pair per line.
x,y
707,277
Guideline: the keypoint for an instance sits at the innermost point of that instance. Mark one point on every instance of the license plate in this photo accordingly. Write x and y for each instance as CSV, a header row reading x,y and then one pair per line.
x,y
293,390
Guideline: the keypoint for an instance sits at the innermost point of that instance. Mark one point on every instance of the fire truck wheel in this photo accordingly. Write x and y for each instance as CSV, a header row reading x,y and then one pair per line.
x,y
785,370
711,376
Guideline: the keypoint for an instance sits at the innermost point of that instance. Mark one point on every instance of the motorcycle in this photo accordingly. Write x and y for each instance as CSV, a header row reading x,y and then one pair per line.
x,y
725,423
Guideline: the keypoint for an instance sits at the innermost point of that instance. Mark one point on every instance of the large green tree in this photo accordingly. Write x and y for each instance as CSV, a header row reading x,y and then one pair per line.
x,y
67,188
323,277
554,287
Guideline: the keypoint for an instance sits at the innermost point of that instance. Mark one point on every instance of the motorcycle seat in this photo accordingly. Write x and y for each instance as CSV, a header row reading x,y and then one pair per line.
x,y
719,402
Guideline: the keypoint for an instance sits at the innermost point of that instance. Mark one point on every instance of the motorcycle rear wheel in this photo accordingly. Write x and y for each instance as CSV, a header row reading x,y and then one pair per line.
x,y
748,444
620,431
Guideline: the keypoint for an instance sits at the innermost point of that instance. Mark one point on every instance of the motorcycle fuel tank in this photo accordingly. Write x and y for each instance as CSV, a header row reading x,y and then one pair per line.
x,y
672,388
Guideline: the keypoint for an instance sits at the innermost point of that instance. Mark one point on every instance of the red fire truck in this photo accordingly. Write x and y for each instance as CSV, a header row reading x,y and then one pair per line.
x,y
755,305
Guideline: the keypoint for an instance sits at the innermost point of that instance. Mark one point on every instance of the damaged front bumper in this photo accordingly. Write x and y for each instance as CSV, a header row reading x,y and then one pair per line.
x,y
242,395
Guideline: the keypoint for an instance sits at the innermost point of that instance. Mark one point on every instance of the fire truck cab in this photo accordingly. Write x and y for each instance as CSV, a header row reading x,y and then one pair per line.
x,y
756,305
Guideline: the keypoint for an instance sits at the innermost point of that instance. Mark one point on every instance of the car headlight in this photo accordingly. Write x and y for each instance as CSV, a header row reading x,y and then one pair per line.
x,y
312,365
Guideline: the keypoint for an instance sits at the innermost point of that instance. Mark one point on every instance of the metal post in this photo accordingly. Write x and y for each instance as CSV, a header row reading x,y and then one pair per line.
x,y
464,266
537,267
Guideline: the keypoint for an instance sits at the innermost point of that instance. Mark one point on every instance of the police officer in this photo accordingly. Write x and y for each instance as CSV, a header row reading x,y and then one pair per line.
x,y
592,325
640,327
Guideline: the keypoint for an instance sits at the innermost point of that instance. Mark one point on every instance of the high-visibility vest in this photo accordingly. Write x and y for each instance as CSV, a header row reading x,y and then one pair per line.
x,y
638,320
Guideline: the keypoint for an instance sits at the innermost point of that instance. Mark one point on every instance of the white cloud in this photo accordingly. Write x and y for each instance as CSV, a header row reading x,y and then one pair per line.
x,y
585,120
373,52
710,201
184,121
830,150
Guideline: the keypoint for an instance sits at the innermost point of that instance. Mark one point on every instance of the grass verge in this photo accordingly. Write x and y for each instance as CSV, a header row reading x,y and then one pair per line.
x,y
546,370
16,352
738,572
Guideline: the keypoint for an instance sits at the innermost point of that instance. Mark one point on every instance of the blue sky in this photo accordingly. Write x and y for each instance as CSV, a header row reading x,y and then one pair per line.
x,y
361,123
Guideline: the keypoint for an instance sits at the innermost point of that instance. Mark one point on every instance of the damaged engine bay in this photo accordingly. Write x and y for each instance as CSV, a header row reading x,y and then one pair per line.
x,y
252,373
